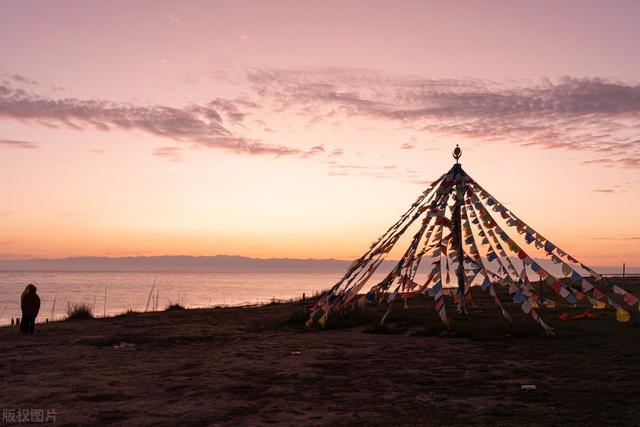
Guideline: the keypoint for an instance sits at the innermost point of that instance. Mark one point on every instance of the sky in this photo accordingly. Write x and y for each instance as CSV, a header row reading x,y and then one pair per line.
x,y
305,129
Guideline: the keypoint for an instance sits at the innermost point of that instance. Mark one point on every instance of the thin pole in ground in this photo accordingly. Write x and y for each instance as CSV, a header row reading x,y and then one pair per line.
x,y
53,307
151,293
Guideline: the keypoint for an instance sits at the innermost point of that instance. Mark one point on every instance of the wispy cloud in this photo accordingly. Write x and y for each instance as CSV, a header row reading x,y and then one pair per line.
x,y
389,171
243,38
589,115
318,149
22,79
171,153
25,145
604,190
596,116
200,124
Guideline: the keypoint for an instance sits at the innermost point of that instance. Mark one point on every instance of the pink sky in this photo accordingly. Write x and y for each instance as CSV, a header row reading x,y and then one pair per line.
x,y
304,129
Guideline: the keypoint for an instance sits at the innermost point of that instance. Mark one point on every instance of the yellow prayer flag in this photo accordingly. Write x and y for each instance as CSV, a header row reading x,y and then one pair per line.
x,y
600,305
323,320
309,323
622,315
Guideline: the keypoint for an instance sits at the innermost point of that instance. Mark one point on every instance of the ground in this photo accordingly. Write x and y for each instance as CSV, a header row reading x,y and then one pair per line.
x,y
257,365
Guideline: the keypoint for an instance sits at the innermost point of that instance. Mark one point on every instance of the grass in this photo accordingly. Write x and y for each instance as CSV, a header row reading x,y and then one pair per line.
x,y
80,311
127,313
174,306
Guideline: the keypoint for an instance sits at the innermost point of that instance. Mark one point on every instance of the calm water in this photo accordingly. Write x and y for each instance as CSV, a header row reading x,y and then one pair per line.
x,y
131,290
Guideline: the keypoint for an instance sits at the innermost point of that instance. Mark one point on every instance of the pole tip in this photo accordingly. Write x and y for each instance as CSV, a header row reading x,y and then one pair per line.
x,y
457,153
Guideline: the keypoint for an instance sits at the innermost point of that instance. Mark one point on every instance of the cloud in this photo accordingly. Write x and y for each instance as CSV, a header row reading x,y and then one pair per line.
x,y
243,38
318,149
390,171
200,124
10,143
594,116
588,115
22,79
604,190
171,153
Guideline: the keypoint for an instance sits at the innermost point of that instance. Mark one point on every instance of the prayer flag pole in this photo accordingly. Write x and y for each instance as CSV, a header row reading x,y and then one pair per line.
x,y
457,228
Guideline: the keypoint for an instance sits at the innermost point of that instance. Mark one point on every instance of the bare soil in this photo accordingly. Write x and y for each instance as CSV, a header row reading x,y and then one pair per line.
x,y
258,365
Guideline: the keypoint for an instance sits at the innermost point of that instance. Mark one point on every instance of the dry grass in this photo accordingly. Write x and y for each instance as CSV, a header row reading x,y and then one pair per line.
x,y
80,311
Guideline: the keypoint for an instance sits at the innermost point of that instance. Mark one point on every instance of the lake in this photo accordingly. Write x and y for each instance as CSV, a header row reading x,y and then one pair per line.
x,y
130,291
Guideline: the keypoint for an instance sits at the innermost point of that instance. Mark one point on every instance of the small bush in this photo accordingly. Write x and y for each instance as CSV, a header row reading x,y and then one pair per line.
x,y
127,313
174,307
81,311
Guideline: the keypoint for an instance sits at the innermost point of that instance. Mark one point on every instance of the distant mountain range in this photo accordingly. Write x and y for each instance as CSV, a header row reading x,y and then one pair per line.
x,y
219,263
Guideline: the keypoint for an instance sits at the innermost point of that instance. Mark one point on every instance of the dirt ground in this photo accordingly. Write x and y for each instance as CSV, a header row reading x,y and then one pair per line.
x,y
254,366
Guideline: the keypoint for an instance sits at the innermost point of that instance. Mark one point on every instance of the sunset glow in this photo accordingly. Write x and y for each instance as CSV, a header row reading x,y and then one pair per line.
x,y
303,130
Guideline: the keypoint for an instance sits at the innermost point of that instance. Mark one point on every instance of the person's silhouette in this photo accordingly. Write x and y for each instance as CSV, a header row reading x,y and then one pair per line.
x,y
30,304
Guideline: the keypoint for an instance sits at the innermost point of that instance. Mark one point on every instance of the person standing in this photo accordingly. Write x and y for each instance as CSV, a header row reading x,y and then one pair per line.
x,y
30,304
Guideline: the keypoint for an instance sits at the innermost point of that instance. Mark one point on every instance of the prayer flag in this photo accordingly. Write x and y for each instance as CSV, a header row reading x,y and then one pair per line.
x,y
518,297
618,290
323,320
597,294
630,299
613,304
622,315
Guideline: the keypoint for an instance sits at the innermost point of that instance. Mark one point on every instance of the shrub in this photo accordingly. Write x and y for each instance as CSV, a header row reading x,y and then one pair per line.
x,y
81,311
127,313
174,306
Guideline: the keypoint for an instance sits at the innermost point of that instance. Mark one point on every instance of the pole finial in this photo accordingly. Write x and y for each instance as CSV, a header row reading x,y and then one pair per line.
x,y
457,153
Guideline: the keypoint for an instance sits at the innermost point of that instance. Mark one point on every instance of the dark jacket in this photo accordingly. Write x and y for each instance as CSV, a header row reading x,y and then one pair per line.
x,y
30,304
